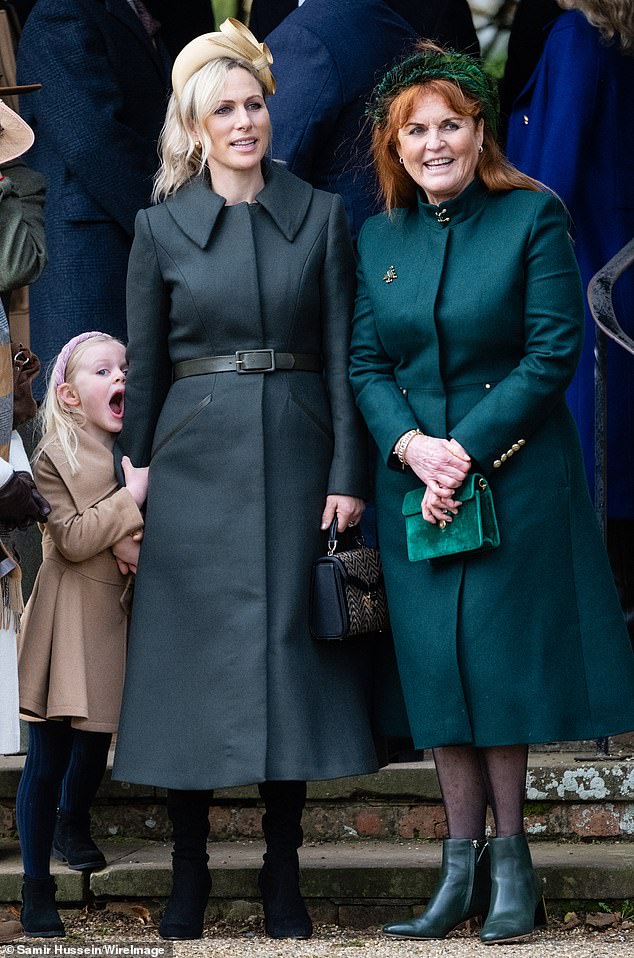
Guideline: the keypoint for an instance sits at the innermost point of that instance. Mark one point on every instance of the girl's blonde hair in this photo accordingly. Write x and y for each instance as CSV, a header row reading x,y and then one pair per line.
x,y
59,423
184,143
612,18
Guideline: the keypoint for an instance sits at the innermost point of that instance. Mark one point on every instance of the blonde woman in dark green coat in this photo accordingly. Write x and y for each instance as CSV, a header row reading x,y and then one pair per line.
x,y
240,297
467,331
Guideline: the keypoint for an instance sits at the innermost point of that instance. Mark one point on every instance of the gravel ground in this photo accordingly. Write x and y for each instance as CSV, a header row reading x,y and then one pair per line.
x,y
248,941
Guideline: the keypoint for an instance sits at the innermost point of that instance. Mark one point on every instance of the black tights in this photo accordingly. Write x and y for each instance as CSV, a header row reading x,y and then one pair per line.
x,y
470,778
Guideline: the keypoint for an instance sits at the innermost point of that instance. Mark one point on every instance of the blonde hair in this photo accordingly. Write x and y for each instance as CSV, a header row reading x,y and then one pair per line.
x,y
184,143
612,18
59,423
396,185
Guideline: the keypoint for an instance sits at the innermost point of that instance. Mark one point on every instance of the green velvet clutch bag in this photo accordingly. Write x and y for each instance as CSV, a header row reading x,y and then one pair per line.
x,y
473,529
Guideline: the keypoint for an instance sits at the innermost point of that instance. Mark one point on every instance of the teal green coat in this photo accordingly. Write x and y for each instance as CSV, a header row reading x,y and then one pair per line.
x,y
477,338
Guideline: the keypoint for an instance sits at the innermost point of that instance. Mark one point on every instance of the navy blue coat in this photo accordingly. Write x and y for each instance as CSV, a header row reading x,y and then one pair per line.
x,y
328,56
572,128
96,123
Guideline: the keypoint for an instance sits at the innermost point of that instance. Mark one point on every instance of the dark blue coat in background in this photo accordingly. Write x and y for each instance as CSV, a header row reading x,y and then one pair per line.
x,y
328,55
573,128
96,123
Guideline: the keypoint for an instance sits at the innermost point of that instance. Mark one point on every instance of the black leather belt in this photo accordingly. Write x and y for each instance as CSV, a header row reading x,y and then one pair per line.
x,y
249,361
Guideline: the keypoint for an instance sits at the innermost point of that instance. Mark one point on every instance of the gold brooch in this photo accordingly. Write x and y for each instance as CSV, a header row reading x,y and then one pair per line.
x,y
391,275
440,216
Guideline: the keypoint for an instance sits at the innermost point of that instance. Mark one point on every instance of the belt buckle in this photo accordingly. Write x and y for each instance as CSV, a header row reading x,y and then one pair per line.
x,y
256,369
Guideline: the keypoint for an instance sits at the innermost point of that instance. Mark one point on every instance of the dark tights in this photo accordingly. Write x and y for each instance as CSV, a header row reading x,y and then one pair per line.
x,y
470,778
59,757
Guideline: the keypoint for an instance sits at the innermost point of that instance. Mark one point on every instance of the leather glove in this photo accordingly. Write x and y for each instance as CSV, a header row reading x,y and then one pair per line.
x,y
20,502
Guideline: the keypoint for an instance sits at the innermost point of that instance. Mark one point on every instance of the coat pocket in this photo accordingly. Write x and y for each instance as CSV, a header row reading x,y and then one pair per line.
x,y
312,414
185,421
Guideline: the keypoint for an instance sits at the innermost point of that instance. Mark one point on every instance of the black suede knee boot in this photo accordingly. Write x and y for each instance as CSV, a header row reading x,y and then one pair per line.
x,y
184,913
285,914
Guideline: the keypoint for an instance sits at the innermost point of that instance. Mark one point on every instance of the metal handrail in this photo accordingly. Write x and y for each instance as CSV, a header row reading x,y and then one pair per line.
x,y
606,326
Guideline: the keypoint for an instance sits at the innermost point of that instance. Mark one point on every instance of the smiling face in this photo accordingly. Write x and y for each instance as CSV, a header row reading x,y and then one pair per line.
x,y
95,387
439,148
239,126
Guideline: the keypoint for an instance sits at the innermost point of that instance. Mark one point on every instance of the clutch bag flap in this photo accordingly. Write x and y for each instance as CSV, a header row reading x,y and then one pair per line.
x,y
473,529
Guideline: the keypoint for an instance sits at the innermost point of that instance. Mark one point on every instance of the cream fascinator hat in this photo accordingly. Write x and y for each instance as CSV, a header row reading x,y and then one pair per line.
x,y
16,136
233,40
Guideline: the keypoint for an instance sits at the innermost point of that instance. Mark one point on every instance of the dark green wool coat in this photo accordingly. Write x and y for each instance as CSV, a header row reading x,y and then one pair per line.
x,y
225,686
477,338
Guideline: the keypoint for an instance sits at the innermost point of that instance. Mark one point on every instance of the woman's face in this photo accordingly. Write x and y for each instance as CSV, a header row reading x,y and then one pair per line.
x,y
439,148
239,127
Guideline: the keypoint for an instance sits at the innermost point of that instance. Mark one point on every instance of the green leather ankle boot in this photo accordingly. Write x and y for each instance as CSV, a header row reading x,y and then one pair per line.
x,y
517,906
462,892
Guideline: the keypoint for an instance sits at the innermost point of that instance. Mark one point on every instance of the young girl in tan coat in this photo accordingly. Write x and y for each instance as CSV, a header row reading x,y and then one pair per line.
x,y
73,642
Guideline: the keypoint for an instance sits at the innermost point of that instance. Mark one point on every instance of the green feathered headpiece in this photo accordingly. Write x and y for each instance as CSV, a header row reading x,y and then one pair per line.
x,y
429,65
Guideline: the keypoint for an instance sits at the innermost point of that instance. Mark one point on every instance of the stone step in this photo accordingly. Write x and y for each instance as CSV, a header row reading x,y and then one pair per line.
x,y
588,799
351,883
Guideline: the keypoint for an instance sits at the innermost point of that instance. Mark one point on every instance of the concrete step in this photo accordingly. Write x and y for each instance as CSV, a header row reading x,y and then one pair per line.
x,y
589,799
351,883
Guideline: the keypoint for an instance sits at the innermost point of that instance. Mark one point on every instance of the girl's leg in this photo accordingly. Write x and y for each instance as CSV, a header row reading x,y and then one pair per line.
x,y
285,914
184,915
36,804
464,887
87,763
47,758
516,893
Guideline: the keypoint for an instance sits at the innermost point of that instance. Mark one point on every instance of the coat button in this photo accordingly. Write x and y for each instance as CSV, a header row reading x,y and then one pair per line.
x,y
516,447
404,391
497,463
509,453
487,385
503,457
525,118
521,442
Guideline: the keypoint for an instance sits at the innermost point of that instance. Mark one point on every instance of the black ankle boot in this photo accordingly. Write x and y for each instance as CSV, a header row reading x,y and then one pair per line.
x,y
285,914
463,892
39,915
73,845
184,914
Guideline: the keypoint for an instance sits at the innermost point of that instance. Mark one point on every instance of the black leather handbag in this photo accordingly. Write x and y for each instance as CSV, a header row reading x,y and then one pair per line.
x,y
347,594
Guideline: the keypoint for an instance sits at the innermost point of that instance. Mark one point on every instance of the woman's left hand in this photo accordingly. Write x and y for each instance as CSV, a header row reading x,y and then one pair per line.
x,y
437,508
349,510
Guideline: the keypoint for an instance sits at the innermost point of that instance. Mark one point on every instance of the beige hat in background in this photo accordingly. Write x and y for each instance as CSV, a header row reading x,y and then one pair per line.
x,y
233,40
16,136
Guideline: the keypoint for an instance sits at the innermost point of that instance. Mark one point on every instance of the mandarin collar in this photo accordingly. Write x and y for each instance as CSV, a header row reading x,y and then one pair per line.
x,y
196,208
457,210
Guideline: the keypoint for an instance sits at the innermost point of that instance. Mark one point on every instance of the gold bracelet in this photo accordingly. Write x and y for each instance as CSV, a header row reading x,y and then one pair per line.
x,y
403,442
418,432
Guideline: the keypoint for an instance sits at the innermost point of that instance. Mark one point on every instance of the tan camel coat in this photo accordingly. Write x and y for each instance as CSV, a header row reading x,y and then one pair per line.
x,y
73,642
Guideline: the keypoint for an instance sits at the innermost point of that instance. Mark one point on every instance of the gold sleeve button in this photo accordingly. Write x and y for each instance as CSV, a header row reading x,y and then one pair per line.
x,y
497,463
516,447
521,442
503,457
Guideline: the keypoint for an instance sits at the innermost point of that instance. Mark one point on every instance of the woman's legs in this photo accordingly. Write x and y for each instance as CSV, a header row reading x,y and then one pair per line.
x,y
285,914
504,771
47,758
184,915
516,893
87,763
464,887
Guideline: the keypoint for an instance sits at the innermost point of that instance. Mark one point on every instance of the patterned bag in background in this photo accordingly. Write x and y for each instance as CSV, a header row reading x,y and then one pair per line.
x,y
347,593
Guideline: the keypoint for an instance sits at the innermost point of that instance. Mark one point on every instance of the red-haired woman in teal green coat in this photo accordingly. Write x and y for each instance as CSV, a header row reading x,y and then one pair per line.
x,y
468,329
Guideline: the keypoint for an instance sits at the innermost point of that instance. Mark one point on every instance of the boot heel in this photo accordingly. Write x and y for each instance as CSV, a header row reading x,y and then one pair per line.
x,y
541,914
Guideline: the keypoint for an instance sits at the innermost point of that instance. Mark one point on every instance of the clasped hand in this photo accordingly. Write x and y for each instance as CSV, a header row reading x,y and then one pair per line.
x,y
442,464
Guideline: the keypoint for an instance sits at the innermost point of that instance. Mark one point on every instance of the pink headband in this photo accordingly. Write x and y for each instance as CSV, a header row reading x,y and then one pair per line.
x,y
59,370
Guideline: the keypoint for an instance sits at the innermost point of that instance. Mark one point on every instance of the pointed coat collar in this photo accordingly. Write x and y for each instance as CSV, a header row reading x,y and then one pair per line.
x,y
195,207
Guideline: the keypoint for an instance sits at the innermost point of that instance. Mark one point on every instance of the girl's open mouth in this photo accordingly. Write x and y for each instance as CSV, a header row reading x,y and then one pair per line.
x,y
116,404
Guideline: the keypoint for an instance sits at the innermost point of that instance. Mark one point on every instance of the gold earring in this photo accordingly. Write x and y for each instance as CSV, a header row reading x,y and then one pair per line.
x,y
198,145
401,161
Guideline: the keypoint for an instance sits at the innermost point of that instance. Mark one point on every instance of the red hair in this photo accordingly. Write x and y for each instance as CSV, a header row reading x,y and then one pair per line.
x,y
396,185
